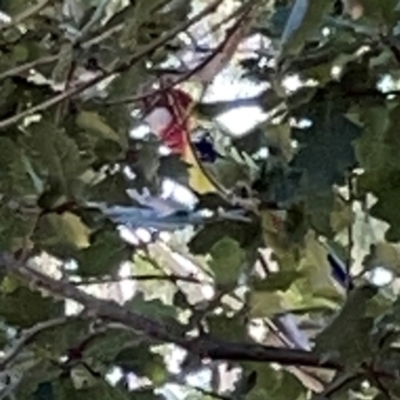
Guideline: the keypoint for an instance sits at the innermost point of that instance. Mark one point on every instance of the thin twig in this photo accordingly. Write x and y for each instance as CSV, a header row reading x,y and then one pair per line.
x,y
350,233
95,18
167,87
209,393
27,336
118,69
18,70
62,106
186,75
27,66
171,278
376,379
27,13
50,102
338,384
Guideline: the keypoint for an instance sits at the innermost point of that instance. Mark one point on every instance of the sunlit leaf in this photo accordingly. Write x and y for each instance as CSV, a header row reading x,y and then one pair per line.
x,y
65,229
93,123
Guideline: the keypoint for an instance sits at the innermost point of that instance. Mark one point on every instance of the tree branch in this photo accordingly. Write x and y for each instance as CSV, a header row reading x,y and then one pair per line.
x,y
205,346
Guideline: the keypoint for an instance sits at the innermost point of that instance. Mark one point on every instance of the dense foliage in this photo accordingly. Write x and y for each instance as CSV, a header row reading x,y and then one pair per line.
x,y
258,312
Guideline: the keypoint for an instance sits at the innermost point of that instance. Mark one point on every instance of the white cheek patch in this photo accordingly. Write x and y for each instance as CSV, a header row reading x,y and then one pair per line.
x,y
158,119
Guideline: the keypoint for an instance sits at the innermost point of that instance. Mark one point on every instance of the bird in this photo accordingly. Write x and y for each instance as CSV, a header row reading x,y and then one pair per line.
x,y
169,117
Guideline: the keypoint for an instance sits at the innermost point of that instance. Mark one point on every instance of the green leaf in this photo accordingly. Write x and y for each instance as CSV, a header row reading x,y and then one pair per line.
x,y
64,64
290,388
229,328
378,151
128,84
54,156
386,12
384,254
82,378
25,308
37,382
16,227
303,281
274,384
104,347
280,280
161,289
104,255
111,189
304,21
266,304
154,308
326,151
348,337
228,172
278,183
316,268
65,230
374,153
14,7
173,167
36,181
59,339
14,178
279,136
386,210
65,389
227,261
338,125
95,124
141,361
243,233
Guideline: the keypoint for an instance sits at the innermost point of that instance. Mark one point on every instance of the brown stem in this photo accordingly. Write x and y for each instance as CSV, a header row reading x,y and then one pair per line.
x,y
205,346
171,278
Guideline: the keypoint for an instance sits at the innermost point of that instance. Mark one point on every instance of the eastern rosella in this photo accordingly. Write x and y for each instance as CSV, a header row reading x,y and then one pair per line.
x,y
169,117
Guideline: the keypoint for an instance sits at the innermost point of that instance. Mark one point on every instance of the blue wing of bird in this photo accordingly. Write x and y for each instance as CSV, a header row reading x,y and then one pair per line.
x,y
162,206
138,217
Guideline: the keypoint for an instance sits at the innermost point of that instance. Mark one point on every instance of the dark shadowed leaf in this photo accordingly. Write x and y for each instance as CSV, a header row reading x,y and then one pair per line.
x,y
348,337
243,233
141,361
155,308
326,147
233,328
24,308
104,255
54,156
